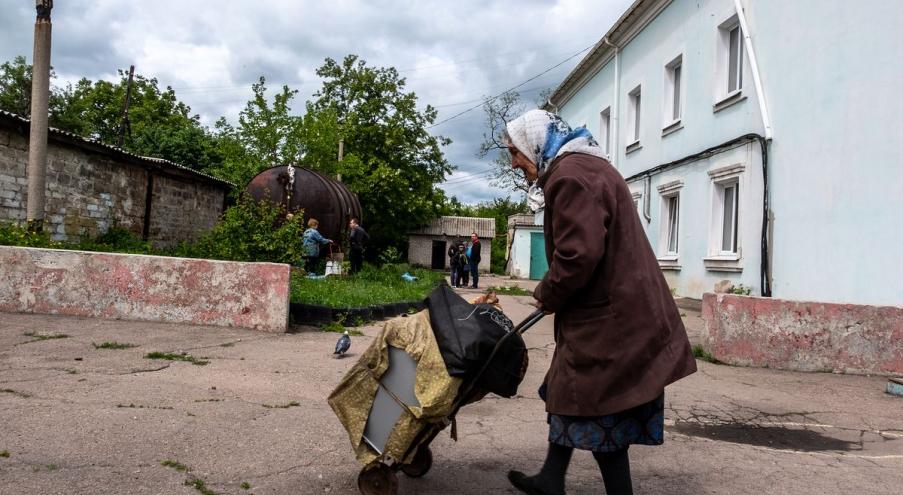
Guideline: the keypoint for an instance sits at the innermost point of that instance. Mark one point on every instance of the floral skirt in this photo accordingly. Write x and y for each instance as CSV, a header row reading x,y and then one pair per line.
x,y
640,425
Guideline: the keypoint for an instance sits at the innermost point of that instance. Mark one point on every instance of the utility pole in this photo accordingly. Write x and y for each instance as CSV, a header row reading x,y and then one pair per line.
x,y
40,92
126,124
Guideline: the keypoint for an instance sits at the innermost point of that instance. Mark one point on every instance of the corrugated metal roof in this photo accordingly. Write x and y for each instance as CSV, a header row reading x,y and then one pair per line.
x,y
94,144
459,226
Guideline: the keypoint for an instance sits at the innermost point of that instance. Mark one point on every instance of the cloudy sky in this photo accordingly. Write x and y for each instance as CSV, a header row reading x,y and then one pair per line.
x,y
210,51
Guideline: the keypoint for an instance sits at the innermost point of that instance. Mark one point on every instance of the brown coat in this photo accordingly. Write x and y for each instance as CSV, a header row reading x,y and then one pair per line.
x,y
618,333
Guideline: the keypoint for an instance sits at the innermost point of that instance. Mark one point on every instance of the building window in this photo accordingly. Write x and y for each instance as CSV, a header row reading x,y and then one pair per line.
x,y
673,226
605,130
634,114
669,235
673,98
730,199
729,62
725,253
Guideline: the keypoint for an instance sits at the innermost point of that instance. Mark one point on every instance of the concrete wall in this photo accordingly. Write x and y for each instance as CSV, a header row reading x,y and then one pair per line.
x,y
804,336
149,288
87,192
420,250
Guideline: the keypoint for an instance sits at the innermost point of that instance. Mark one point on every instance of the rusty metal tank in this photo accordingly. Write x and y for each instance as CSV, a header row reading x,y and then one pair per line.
x,y
321,197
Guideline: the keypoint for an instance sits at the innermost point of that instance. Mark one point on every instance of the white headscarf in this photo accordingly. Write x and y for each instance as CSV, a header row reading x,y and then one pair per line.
x,y
543,136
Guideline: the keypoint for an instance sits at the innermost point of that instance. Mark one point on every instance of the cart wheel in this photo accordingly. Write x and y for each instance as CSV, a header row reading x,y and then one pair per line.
x,y
377,479
420,465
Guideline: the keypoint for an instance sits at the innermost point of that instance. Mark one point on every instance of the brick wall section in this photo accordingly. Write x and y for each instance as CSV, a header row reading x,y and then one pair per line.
x,y
803,335
88,191
148,288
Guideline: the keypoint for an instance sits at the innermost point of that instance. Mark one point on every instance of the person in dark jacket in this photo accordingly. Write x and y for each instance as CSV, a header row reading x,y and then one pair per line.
x,y
452,264
464,263
618,333
473,257
358,239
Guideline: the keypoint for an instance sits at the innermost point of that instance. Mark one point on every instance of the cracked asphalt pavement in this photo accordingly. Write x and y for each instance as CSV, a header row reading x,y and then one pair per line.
x,y
77,419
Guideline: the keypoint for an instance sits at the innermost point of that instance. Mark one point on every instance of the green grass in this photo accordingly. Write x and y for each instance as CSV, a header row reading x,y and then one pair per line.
x,y
113,345
511,290
200,486
369,287
45,336
176,357
700,353
174,464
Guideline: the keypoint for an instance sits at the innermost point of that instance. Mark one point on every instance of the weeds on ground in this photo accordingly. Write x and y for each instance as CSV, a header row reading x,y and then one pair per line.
x,y
700,353
200,486
337,327
227,344
245,485
741,290
113,345
133,406
510,290
208,400
44,336
4,454
188,358
282,406
174,464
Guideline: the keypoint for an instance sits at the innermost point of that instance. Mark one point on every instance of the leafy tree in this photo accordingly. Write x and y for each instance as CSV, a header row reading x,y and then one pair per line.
x,y
391,160
267,135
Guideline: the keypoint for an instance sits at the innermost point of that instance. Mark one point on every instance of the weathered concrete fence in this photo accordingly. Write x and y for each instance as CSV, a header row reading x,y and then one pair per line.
x,y
150,288
803,336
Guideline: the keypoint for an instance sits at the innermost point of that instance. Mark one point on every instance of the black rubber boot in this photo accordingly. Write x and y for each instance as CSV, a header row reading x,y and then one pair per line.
x,y
615,468
550,479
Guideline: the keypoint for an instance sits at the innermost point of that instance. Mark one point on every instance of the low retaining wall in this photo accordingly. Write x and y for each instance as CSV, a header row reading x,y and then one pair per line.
x,y
803,336
150,288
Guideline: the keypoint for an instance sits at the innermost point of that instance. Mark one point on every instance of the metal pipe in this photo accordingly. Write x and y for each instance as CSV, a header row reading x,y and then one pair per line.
x,y
753,63
37,139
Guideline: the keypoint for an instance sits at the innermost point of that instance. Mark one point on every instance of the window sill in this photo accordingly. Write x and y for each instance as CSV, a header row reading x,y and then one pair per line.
x,y
723,264
672,127
730,99
634,146
669,263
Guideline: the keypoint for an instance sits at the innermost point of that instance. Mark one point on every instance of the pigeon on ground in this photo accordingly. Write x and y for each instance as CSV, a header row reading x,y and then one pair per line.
x,y
341,347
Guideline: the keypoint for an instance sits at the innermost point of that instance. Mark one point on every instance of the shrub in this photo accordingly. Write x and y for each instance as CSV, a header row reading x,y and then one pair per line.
x,y
14,234
741,290
251,230
390,256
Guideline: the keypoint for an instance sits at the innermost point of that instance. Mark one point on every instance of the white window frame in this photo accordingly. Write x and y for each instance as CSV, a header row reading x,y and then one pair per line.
x,y
670,194
718,258
605,130
725,94
673,95
634,117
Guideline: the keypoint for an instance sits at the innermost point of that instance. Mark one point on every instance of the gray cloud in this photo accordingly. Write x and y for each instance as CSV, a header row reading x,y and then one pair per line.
x,y
451,53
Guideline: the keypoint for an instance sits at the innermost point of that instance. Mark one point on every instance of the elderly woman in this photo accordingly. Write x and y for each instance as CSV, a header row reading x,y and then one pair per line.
x,y
619,337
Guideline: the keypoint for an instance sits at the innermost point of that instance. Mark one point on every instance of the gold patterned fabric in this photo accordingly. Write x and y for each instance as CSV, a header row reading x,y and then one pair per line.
x,y
434,388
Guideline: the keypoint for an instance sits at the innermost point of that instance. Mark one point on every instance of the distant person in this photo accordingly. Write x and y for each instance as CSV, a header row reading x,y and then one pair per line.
x,y
359,238
452,262
461,264
311,241
473,257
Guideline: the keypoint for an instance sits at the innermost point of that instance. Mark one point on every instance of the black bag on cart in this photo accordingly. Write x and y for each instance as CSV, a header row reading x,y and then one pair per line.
x,y
467,334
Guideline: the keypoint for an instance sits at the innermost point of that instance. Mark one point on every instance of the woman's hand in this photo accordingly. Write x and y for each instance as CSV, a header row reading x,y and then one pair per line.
x,y
538,304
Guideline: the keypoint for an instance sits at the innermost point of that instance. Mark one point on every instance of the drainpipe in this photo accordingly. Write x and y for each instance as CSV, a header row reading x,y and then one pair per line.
x,y
615,106
753,63
647,199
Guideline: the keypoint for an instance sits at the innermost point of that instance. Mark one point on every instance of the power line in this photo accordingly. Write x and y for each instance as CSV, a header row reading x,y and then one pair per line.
x,y
512,88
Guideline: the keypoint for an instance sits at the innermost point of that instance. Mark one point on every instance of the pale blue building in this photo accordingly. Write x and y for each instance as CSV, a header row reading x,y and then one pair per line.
x,y
761,140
